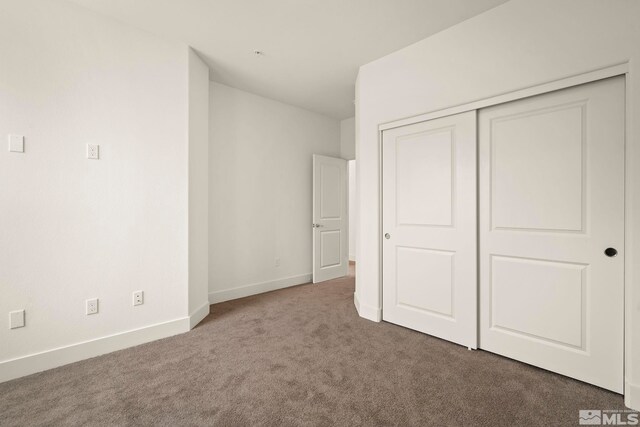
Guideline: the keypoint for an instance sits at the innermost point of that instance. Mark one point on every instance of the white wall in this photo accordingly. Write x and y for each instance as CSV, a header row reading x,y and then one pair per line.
x,y
198,188
348,138
260,191
74,228
519,44
348,152
353,210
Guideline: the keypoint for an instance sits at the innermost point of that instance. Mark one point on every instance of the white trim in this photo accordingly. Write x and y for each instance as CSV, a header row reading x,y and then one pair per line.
x,y
380,224
37,362
257,288
198,315
366,311
631,395
631,391
575,80
356,302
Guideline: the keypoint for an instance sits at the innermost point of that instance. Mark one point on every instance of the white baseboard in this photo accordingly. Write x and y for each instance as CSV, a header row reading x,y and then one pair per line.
x,y
30,364
352,258
197,316
257,288
366,311
632,396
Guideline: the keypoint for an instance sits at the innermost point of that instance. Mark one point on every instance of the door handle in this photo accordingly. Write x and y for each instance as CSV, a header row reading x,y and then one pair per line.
x,y
387,236
316,225
611,252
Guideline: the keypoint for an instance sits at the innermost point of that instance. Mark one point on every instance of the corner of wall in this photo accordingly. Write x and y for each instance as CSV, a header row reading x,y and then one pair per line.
x,y
366,311
198,183
631,395
199,314
348,139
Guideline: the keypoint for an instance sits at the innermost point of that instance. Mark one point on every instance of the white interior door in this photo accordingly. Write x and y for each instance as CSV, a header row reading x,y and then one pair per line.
x,y
330,218
551,203
429,226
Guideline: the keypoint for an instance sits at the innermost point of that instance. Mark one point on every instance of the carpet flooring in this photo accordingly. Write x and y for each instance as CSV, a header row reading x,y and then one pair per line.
x,y
298,357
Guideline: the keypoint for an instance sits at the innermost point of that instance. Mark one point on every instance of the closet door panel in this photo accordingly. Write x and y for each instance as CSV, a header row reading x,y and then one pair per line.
x,y
551,203
429,223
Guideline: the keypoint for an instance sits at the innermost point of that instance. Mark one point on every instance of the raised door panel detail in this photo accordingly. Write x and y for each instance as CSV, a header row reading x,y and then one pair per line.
x,y
551,193
331,203
425,280
425,178
429,187
330,244
537,163
330,218
541,300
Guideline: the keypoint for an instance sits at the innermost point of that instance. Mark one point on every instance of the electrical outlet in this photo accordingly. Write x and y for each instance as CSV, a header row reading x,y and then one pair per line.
x,y
92,306
16,319
138,298
93,151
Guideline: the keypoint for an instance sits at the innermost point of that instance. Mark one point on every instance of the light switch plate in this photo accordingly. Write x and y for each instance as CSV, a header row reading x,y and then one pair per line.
x,y
16,319
93,151
16,143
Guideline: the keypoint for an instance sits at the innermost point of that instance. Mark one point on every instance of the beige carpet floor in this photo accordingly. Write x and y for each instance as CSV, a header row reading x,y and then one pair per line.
x,y
298,356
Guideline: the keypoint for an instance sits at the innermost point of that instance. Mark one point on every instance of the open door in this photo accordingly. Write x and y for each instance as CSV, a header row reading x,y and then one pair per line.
x,y
330,218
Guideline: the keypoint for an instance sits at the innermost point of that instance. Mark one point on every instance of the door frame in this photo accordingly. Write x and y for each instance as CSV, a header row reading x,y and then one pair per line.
x,y
621,69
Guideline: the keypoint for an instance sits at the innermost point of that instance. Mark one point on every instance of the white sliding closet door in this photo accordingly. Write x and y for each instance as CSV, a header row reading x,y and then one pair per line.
x,y
429,226
551,217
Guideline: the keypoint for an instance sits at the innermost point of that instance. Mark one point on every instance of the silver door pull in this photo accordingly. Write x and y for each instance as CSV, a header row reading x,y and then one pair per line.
x,y
387,236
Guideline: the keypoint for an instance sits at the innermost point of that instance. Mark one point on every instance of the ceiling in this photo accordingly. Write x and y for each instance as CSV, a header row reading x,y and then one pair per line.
x,y
312,48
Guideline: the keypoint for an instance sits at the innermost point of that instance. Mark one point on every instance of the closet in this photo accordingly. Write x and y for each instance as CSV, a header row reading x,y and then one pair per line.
x,y
504,229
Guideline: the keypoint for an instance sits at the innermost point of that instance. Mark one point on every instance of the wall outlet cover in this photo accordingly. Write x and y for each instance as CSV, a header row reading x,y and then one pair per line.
x,y
93,151
92,306
138,298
